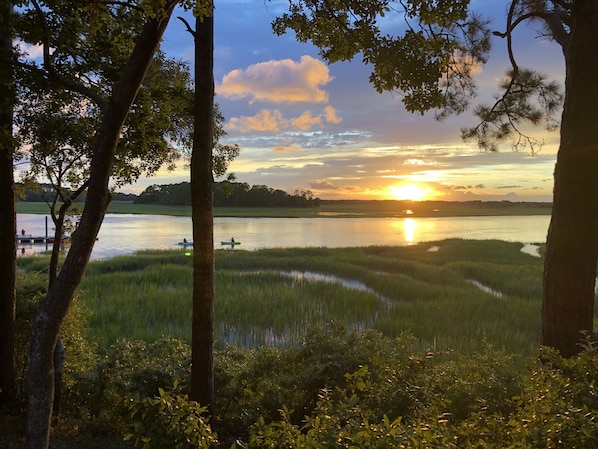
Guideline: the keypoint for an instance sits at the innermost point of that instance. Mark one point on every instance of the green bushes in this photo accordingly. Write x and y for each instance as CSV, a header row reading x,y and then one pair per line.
x,y
338,388
79,355
169,421
480,402
127,369
559,403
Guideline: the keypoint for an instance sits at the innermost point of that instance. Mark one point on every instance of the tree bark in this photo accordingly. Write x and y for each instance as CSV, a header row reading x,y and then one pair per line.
x,y
202,340
56,303
572,243
7,216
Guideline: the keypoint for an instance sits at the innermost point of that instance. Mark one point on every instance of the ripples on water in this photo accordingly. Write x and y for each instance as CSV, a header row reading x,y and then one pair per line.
x,y
125,234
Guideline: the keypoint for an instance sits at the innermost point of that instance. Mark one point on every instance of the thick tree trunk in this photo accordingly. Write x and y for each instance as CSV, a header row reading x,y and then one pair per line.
x,y
55,306
202,340
572,245
7,216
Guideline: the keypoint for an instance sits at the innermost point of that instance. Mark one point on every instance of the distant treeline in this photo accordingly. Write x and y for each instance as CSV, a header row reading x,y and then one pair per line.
x,y
228,194
43,193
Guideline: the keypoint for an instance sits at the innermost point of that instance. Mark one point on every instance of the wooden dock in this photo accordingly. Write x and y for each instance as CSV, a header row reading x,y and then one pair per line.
x,y
24,239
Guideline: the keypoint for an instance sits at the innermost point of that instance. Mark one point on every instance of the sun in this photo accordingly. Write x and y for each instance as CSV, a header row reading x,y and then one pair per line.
x,y
412,192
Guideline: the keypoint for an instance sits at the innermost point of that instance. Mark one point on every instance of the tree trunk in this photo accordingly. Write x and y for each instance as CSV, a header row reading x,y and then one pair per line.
x,y
55,306
58,221
7,216
202,340
59,350
572,244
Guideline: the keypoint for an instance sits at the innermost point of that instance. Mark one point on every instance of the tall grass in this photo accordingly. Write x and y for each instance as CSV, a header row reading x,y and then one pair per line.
x,y
428,294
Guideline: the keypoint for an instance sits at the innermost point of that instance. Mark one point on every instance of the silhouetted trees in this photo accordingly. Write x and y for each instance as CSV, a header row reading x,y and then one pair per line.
x,y
228,194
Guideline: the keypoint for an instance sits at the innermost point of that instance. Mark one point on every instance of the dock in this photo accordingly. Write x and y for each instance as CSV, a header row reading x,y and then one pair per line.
x,y
23,239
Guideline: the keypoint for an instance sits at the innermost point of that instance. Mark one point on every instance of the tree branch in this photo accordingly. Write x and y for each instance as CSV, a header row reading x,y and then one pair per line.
x,y
189,29
553,19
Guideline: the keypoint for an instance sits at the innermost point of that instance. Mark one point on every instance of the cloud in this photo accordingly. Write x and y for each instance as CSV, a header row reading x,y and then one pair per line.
x,y
268,120
32,51
331,116
278,81
306,121
265,120
287,149
331,190
322,184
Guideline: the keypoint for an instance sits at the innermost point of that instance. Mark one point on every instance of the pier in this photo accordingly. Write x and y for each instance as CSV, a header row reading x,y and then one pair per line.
x,y
24,239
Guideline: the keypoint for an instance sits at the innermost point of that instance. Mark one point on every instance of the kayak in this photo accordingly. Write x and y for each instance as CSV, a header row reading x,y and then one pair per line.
x,y
185,243
230,243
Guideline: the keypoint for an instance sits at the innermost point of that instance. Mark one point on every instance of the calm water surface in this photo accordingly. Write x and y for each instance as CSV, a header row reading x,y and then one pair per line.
x,y
123,234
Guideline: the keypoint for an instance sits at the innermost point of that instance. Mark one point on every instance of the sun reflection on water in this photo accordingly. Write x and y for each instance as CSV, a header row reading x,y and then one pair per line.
x,y
409,228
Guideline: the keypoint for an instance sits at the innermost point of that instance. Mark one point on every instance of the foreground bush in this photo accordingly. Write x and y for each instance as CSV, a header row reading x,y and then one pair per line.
x,y
335,388
169,421
475,404
128,369
559,403
338,381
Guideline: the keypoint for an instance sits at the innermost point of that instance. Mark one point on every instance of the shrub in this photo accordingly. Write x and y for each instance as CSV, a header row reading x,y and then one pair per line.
x,y
559,404
468,402
259,383
169,420
127,369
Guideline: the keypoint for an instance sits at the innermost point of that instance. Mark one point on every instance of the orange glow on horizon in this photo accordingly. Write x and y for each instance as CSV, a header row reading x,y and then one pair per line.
x,y
412,192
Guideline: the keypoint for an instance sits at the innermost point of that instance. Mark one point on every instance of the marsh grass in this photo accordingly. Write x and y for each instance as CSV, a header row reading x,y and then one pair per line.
x,y
143,304
267,307
429,294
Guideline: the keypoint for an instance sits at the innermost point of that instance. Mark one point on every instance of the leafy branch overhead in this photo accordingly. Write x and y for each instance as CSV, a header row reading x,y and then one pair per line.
x,y
430,52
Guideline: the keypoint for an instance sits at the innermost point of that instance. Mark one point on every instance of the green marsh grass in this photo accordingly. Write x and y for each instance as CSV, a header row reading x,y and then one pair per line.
x,y
428,294
143,304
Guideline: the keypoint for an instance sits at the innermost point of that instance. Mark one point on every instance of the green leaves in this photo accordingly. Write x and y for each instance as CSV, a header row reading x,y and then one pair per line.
x,y
422,55
169,420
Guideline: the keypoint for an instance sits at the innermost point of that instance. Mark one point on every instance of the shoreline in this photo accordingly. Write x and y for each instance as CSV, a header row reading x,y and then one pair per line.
x,y
332,209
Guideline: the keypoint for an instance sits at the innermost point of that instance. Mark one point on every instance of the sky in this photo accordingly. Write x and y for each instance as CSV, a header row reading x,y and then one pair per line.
x,y
304,125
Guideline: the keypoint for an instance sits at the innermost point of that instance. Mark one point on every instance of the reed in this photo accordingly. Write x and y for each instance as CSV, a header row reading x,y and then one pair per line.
x,y
258,301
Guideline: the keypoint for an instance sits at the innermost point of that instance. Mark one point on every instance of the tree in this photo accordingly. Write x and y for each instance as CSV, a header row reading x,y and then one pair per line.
x,y
202,213
8,213
432,64
64,71
56,131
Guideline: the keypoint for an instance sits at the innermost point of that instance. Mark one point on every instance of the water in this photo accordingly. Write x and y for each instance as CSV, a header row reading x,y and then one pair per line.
x,y
124,234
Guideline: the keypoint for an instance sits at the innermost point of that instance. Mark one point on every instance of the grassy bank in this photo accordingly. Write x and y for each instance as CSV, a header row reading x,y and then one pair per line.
x,y
446,298
332,209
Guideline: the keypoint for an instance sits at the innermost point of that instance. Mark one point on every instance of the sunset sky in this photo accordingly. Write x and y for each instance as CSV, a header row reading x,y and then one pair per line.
x,y
302,124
